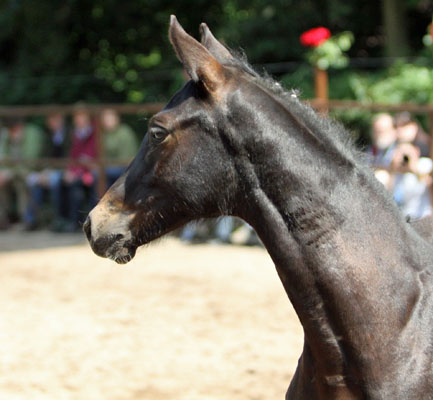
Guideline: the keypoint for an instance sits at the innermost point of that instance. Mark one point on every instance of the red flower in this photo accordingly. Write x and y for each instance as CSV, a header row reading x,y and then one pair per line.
x,y
315,37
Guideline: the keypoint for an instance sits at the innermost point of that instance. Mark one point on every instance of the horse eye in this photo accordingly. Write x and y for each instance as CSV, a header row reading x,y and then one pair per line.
x,y
158,134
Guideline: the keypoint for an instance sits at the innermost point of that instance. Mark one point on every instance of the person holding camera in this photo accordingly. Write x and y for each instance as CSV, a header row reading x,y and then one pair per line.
x,y
412,179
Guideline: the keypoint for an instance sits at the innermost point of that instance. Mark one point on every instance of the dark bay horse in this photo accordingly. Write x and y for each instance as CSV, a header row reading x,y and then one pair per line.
x,y
359,276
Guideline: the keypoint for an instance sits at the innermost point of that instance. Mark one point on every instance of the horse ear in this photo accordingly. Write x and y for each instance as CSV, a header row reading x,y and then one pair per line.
x,y
198,62
218,50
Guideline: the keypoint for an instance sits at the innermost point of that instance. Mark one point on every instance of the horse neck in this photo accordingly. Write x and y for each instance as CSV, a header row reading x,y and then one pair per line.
x,y
337,242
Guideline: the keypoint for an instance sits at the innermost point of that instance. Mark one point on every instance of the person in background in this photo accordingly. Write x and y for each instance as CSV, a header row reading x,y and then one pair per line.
x,y
49,179
384,137
78,177
119,141
409,131
24,141
4,138
412,168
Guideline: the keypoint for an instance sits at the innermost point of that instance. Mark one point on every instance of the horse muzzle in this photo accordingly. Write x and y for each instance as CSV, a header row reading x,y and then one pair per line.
x,y
115,246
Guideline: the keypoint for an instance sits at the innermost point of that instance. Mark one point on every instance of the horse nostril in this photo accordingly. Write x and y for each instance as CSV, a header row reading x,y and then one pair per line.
x,y
87,228
118,237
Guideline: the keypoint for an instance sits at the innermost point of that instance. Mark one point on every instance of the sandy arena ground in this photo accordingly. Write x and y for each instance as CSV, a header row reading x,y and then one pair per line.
x,y
184,322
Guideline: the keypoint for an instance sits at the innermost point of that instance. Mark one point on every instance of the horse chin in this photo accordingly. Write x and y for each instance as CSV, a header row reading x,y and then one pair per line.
x,y
122,255
122,251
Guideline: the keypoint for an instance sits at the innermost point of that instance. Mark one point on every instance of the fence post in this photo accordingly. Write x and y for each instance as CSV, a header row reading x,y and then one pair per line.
x,y
321,87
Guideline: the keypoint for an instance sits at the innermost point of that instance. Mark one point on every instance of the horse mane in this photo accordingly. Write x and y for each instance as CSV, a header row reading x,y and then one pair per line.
x,y
328,130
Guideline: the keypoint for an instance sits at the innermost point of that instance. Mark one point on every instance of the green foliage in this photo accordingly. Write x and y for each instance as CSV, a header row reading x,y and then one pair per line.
x,y
301,79
98,51
400,83
331,53
110,51
427,40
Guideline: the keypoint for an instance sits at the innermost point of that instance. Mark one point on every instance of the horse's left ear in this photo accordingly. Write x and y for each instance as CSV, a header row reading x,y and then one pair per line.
x,y
198,62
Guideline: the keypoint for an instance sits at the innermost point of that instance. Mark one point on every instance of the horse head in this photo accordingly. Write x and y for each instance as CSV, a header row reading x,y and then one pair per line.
x,y
185,167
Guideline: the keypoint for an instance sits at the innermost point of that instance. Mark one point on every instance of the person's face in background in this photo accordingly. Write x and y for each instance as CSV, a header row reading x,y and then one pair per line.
x,y
407,132
384,133
109,120
81,120
55,122
16,130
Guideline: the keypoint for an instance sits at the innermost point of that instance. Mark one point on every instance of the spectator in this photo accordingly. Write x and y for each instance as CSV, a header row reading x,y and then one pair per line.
x,y
78,177
24,141
120,143
412,189
49,179
409,131
4,138
412,179
383,148
384,139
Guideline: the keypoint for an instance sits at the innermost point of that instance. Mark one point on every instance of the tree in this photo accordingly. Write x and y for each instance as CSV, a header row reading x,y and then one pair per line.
x,y
395,28
105,50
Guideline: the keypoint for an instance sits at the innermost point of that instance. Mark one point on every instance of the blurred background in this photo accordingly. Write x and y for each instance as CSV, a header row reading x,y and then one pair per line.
x,y
78,81
100,52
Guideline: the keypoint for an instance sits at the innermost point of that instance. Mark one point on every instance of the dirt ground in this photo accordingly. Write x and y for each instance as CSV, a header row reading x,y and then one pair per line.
x,y
184,322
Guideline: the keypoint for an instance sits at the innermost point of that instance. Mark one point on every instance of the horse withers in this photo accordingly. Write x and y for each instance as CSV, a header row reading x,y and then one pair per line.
x,y
358,275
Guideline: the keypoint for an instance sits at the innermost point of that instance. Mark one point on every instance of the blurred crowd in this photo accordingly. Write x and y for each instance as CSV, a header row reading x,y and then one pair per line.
x,y
59,198
400,155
